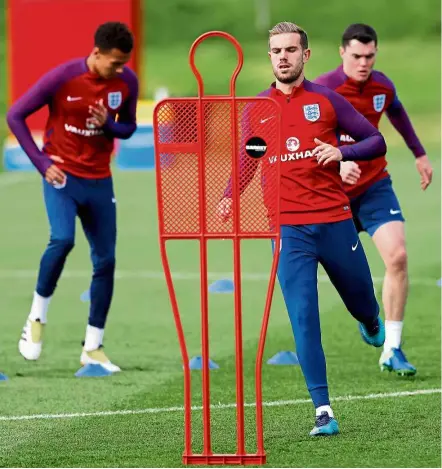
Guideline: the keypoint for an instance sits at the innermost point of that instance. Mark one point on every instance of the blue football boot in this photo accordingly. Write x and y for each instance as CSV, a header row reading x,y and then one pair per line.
x,y
395,360
375,336
325,426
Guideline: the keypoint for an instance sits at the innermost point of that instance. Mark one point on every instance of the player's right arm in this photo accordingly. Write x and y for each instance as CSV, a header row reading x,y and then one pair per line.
x,y
35,98
247,170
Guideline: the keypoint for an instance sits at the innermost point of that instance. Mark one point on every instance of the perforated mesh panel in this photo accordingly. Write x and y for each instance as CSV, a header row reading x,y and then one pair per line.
x,y
195,146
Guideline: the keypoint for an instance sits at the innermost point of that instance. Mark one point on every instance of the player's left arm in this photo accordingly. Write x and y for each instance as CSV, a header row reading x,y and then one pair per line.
x,y
127,120
126,124
369,142
398,116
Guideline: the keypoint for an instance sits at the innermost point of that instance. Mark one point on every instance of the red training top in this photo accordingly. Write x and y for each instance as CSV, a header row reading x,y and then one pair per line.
x,y
372,98
311,193
69,90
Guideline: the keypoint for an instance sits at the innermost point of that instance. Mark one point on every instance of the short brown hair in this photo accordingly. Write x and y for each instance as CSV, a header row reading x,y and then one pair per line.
x,y
287,27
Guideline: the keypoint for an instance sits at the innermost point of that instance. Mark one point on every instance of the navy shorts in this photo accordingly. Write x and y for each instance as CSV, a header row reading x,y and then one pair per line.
x,y
376,206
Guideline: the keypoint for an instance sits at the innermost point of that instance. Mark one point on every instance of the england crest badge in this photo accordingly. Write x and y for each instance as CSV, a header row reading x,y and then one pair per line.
x,y
379,102
114,99
312,112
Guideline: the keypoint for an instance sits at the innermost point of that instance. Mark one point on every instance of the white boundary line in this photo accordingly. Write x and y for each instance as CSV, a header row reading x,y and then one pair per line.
x,y
159,275
159,410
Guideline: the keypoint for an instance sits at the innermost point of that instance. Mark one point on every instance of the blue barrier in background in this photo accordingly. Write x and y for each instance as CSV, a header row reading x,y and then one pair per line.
x,y
138,151
14,158
135,153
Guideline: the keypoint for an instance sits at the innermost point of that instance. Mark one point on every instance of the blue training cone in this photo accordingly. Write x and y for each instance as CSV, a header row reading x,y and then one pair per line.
x,y
85,296
196,363
92,371
3,377
284,358
222,286
439,282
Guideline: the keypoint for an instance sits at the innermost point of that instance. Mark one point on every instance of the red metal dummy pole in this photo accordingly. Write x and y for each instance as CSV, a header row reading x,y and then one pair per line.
x,y
236,253
184,156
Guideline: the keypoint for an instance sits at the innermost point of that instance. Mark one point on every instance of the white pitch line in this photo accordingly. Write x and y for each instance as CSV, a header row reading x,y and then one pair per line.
x,y
159,410
159,275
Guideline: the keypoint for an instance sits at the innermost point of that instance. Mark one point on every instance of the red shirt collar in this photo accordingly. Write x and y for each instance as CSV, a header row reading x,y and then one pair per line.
x,y
296,90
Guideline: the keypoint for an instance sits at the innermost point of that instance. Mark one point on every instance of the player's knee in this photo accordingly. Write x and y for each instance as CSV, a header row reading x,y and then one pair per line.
x,y
291,284
104,265
397,260
301,321
300,313
62,245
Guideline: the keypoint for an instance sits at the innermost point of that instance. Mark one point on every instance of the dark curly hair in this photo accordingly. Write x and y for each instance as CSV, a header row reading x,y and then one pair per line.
x,y
361,32
114,35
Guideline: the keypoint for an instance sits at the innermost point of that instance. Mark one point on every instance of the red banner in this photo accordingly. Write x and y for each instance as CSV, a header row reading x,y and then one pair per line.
x,y
45,33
